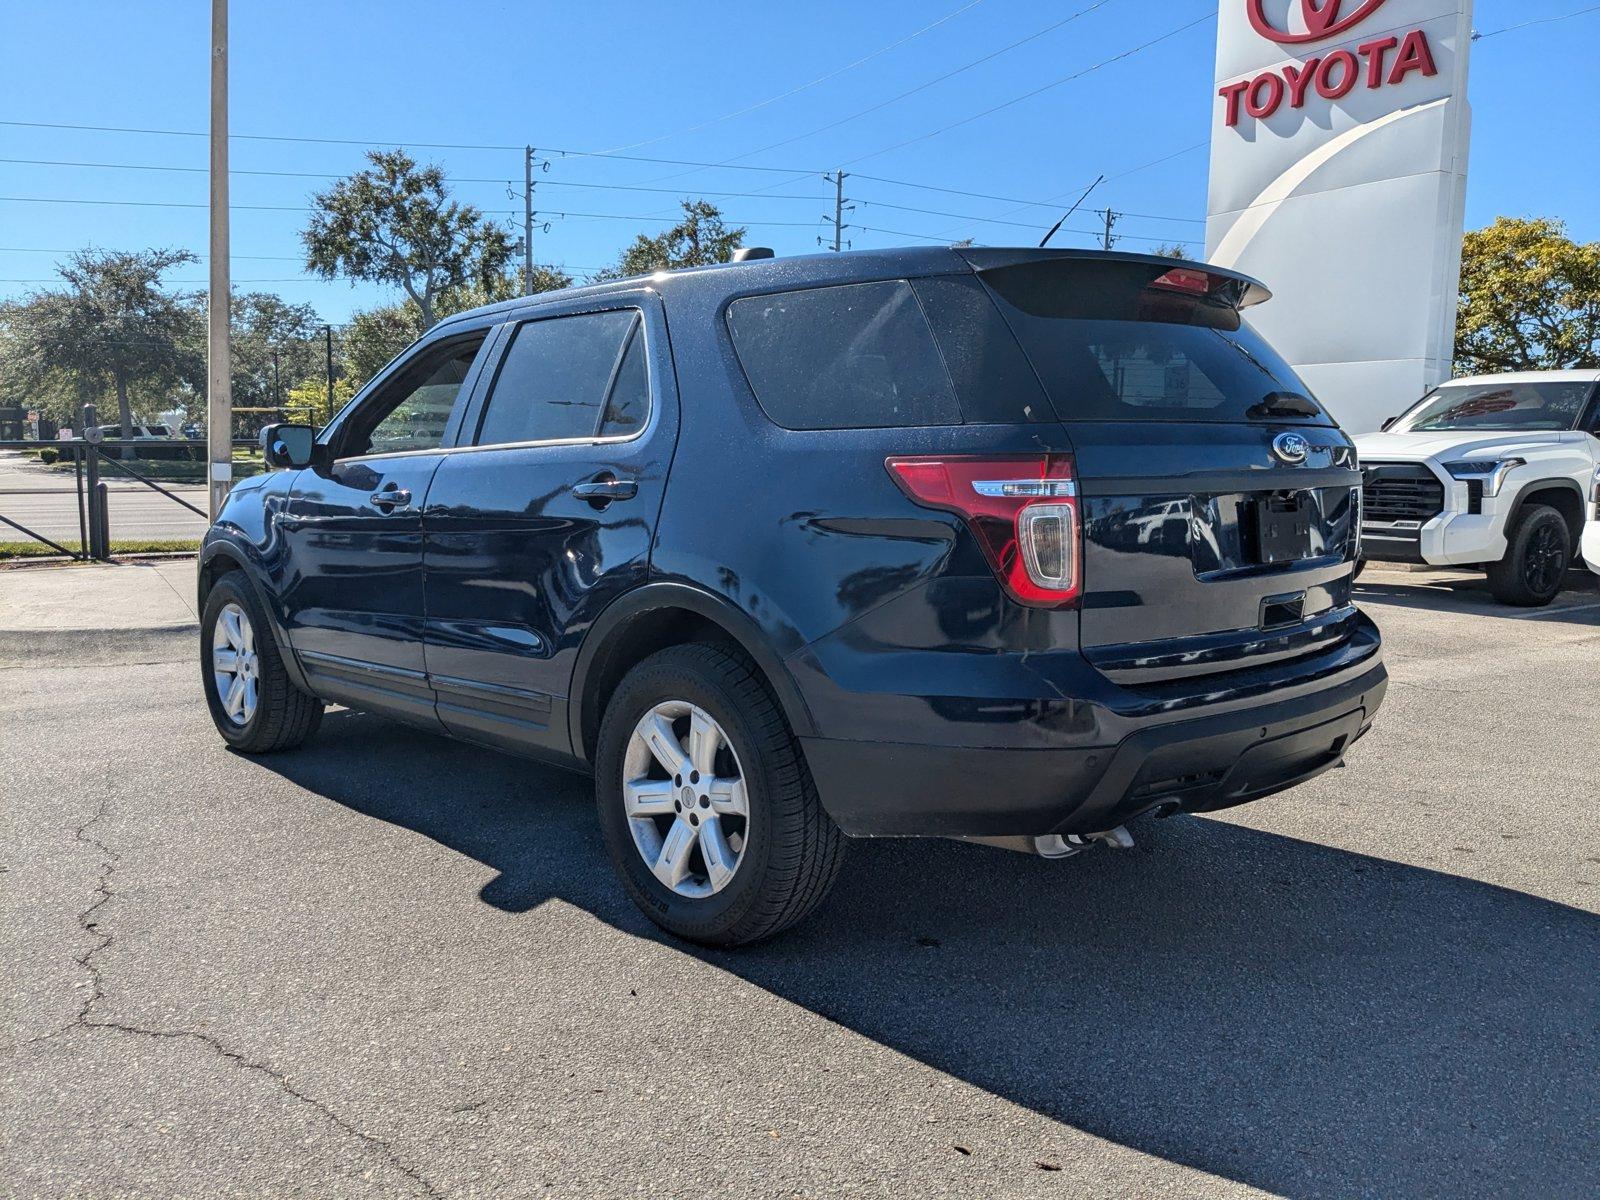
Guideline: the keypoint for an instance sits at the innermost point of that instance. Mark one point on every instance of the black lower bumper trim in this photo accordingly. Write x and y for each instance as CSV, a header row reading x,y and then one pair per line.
x,y
1198,765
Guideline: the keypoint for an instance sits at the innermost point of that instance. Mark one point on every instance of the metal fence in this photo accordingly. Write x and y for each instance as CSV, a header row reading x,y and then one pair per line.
x,y
92,463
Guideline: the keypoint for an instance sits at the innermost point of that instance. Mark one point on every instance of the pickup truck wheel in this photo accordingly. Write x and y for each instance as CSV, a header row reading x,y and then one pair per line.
x,y
1537,555
253,702
708,811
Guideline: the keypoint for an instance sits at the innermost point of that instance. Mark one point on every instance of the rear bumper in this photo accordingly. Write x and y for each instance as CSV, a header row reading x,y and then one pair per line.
x,y
1198,757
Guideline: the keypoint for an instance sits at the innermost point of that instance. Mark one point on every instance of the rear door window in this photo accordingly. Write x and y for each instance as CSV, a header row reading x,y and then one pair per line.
x,y
569,378
857,356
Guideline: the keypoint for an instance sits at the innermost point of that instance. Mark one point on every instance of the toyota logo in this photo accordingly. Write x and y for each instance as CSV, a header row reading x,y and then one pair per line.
x,y
1291,448
1321,19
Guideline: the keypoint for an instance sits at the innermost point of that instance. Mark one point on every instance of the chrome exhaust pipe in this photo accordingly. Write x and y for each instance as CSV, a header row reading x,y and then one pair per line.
x,y
1059,845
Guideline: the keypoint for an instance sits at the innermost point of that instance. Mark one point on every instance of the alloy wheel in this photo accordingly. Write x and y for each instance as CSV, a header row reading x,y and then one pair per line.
x,y
235,665
683,793
1545,560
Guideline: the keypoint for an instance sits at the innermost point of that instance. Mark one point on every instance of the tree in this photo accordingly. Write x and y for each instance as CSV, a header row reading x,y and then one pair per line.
x,y
1176,250
112,330
1530,299
275,343
698,240
395,224
375,336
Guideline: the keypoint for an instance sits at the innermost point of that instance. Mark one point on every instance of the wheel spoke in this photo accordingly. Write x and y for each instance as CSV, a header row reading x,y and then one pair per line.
x,y
647,797
224,659
720,859
234,701
673,862
727,797
230,629
247,635
249,703
665,746
704,740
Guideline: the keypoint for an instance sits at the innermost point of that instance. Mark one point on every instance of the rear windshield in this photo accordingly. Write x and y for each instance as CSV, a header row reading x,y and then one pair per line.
x,y
1510,406
1109,346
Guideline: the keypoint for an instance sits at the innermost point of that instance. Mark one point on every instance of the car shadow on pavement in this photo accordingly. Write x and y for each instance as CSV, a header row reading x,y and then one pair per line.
x,y
1470,596
1299,1018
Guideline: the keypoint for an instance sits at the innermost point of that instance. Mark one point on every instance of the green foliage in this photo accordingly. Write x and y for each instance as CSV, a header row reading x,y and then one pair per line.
x,y
274,343
112,331
377,335
700,239
1530,299
1175,250
49,455
395,223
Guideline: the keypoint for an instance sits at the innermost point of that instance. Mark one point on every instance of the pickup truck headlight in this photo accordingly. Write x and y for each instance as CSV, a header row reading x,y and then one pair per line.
x,y
1491,472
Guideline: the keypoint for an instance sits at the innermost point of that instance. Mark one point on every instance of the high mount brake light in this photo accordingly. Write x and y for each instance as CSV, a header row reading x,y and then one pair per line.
x,y
1023,509
1182,279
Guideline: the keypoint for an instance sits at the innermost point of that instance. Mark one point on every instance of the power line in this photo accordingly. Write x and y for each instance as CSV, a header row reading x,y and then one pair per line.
x,y
1171,33
921,87
201,257
1582,12
494,212
370,142
1051,204
614,187
804,86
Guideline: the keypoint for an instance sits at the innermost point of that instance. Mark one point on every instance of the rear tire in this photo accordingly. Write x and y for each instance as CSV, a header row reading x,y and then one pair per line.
x,y
273,714
1538,552
785,850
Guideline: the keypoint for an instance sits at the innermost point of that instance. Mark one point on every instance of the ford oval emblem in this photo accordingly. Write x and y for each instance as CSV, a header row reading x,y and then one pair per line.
x,y
1291,448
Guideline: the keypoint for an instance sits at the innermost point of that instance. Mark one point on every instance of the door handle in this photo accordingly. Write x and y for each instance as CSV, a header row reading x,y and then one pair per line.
x,y
604,488
390,498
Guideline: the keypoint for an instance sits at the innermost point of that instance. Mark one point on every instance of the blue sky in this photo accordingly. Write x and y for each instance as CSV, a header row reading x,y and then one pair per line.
x,y
657,80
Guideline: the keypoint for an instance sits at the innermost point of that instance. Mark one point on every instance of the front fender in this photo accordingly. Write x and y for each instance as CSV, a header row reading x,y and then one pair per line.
x,y
258,553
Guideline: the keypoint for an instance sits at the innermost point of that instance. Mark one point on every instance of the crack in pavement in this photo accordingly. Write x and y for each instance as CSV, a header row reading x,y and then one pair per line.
x,y
104,893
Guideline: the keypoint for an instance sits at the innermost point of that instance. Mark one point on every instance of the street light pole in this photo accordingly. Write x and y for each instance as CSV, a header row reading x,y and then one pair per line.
x,y
219,383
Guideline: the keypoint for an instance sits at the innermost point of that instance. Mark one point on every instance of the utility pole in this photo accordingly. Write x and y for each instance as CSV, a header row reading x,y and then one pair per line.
x,y
840,207
527,220
327,333
1111,220
219,382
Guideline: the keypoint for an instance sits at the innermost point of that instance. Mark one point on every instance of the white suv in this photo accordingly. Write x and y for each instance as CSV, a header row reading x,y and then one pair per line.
x,y
1496,470
1591,531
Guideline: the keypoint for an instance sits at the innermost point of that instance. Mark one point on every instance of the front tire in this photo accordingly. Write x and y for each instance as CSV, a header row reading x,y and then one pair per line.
x,y
708,811
253,702
1538,552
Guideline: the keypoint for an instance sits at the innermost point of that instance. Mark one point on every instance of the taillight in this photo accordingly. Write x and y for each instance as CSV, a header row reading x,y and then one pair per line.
x,y
1024,511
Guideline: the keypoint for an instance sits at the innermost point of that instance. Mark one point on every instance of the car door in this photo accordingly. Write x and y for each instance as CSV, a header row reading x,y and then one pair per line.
x,y
352,594
547,517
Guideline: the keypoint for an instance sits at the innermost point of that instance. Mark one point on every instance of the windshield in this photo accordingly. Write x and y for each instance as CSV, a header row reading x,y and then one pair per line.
x,y
1497,406
1111,345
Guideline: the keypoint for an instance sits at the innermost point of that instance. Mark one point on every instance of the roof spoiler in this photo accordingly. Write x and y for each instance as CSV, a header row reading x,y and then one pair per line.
x,y
1181,275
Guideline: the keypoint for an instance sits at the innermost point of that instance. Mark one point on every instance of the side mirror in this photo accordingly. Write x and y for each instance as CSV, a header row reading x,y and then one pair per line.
x,y
1387,422
286,445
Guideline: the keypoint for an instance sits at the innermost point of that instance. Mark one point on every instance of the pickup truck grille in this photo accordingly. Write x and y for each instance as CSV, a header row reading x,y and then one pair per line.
x,y
1400,492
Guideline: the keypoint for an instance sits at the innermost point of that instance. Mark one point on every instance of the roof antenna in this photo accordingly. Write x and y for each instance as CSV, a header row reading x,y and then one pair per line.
x,y
1070,211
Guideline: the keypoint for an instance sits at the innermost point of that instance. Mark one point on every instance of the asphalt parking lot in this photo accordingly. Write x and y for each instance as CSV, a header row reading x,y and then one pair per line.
x,y
388,964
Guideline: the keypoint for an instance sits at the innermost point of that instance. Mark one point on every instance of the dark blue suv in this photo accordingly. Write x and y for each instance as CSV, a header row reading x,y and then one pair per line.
x,y
1003,545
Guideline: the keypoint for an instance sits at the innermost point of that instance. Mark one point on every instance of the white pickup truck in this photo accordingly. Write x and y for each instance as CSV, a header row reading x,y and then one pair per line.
x,y
1591,531
1497,471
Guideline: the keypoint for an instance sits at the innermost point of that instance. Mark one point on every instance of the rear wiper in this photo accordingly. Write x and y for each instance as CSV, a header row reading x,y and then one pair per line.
x,y
1283,404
